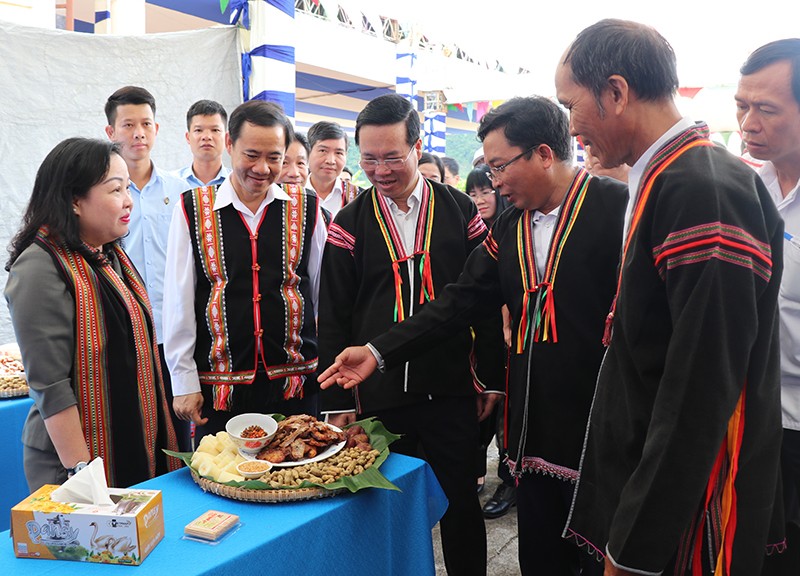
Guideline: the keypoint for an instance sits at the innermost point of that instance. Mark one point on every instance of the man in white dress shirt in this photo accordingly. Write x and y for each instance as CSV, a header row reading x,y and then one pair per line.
x,y
328,143
768,110
390,252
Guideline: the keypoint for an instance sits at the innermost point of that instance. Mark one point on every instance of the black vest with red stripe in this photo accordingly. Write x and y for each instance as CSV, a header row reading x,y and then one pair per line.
x,y
253,288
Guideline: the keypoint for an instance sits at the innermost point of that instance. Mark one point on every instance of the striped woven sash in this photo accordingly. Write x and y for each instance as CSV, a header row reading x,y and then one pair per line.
x,y
686,140
91,367
397,252
540,318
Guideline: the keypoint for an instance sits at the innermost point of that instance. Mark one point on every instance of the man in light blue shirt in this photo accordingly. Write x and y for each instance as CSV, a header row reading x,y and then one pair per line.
x,y
131,114
205,134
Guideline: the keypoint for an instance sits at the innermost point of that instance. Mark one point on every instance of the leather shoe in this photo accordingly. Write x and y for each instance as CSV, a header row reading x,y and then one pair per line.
x,y
481,486
501,502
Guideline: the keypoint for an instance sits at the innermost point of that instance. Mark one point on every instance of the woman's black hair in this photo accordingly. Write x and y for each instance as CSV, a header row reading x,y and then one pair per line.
x,y
477,179
68,172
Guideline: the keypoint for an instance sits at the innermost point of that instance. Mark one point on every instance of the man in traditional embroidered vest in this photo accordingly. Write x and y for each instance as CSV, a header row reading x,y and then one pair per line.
x,y
390,252
242,283
552,259
680,465
768,109
326,160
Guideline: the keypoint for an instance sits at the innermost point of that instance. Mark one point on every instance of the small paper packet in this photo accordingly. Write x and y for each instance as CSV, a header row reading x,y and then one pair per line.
x,y
211,525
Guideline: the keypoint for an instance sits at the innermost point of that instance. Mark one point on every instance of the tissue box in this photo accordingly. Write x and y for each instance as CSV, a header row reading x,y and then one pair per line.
x,y
121,534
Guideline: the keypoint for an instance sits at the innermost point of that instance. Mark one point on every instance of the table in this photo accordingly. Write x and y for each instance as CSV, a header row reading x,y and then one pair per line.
x,y
370,532
13,486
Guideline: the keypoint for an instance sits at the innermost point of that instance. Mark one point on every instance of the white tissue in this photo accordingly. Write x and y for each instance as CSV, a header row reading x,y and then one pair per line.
x,y
88,486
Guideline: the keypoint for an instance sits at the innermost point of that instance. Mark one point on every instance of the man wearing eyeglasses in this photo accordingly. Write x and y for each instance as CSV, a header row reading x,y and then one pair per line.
x,y
390,253
552,259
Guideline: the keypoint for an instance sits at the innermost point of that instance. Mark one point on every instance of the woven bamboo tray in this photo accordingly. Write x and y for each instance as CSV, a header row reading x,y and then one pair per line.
x,y
18,393
13,385
276,495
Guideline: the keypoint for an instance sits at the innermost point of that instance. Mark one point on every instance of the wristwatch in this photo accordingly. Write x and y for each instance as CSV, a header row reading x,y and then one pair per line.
x,y
75,469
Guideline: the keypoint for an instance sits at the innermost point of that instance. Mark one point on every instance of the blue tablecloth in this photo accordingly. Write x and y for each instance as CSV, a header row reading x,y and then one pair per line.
x,y
371,532
13,487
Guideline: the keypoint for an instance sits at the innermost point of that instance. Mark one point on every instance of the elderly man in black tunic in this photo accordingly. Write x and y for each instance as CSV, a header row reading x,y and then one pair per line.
x,y
680,467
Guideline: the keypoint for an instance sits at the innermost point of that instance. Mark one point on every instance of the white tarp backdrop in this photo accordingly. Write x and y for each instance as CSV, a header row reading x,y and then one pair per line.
x,y
54,84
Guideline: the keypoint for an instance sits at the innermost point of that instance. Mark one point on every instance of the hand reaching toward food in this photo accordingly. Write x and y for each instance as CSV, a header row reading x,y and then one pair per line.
x,y
350,368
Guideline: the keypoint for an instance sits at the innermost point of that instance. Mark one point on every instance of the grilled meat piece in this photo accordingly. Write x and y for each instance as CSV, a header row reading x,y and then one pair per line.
x,y
299,437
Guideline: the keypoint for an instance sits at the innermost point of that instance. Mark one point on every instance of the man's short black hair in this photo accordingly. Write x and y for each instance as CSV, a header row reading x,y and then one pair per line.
x,y
128,95
529,121
451,164
205,108
390,109
787,49
259,113
300,137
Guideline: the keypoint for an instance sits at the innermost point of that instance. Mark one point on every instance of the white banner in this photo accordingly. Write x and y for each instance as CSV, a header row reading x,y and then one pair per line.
x,y
55,85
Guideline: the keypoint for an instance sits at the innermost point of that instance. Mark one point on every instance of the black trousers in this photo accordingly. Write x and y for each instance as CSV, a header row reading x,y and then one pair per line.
x,y
788,562
444,432
542,506
494,427
790,471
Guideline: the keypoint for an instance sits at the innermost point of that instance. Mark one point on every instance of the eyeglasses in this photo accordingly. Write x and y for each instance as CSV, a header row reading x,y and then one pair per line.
x,y
390,163
495,172
485,193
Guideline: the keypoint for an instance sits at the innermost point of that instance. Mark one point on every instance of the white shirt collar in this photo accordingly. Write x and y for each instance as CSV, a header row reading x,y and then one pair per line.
x,y
541,216
637,170
337,186
227,195
770,177
413,200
